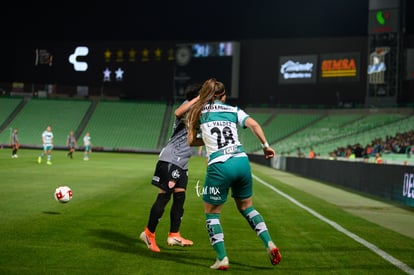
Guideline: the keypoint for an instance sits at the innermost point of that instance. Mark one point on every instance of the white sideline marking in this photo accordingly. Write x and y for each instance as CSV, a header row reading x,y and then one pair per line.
x,y
404,267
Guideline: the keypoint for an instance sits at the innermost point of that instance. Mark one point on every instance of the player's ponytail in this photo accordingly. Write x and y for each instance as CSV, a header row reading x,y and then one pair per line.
x,y
209,92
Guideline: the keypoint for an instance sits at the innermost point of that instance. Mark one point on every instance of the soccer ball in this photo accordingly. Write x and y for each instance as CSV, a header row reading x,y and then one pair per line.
x,y
63,194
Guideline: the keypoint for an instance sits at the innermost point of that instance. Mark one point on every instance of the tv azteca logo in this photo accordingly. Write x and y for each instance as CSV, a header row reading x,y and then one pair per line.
x,y
73,59
408,185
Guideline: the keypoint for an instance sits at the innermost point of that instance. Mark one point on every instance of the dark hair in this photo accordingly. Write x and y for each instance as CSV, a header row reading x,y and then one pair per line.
x,y
192,90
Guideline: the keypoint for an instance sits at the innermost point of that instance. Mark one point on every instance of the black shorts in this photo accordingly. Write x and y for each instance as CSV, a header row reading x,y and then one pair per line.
x,y
166,172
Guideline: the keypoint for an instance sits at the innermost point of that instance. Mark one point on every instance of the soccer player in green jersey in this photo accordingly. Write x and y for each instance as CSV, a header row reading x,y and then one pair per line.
x,y
228,166
88,146
47,143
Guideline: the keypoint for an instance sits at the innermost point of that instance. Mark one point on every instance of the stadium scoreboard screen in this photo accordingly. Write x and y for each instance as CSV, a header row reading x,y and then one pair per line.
x,y
198,62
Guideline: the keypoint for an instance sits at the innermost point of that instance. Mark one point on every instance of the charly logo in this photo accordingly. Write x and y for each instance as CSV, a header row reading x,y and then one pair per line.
x,y
408,185
79,66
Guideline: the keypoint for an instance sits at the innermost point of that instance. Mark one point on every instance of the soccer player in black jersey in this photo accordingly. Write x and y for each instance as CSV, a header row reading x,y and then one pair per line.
x,y
171,178
71,143
15,144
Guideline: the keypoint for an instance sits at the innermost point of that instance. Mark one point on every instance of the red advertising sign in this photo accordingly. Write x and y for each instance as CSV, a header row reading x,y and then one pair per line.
x,y
339,66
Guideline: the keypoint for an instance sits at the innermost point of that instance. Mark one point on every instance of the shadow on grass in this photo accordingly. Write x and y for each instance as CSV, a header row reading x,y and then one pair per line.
x,y
116,241
51,212
112,240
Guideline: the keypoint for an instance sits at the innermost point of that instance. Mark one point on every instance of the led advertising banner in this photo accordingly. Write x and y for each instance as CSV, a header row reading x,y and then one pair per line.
x,y
339,67
133,68
410,64
298,69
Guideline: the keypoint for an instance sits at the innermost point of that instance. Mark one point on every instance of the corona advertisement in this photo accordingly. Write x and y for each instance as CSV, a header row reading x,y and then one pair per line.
x,y
377,66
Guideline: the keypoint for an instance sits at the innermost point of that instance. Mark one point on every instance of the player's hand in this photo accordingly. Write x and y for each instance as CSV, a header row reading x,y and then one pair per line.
x,y
269,152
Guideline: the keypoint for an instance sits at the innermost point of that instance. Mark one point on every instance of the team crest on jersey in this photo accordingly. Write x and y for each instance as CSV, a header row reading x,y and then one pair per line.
x,y
175,174
171,184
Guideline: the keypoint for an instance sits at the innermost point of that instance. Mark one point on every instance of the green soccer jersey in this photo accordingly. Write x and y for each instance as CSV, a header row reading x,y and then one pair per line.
x,y
218,124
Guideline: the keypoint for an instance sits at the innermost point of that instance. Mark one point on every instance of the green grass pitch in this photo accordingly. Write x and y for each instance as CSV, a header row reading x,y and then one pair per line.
x,y
97,231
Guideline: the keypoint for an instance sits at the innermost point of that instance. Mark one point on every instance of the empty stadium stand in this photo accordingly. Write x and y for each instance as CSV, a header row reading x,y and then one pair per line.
x,y
125,125
146,126
33,118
